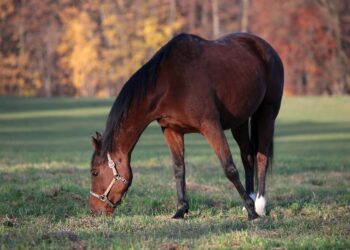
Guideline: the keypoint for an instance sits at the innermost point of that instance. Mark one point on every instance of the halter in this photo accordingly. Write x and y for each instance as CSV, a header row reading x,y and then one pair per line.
x,y
116,177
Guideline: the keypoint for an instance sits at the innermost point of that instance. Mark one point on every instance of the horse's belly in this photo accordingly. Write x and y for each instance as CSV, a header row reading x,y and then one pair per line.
x,y
178,125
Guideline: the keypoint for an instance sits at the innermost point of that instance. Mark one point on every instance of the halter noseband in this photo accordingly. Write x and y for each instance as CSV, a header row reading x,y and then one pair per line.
x,y
116,177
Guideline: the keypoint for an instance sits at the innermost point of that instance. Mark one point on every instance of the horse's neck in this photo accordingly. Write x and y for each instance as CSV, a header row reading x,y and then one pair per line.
x,y
130,131
125,140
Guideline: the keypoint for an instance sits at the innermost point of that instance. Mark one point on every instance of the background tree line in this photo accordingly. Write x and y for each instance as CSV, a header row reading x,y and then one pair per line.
x,y
91,47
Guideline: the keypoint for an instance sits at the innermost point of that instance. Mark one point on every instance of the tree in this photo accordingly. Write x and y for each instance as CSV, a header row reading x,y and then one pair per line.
x,y
303,34
92,47
79,53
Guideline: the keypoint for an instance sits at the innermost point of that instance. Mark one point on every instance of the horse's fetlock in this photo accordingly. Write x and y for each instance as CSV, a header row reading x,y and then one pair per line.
x,y
182,204
250,203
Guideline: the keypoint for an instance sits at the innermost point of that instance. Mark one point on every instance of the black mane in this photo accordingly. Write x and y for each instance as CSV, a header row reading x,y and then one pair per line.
x,y
134,89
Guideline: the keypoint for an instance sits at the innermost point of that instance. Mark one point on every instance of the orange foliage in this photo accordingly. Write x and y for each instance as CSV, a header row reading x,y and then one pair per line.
x,y
92,47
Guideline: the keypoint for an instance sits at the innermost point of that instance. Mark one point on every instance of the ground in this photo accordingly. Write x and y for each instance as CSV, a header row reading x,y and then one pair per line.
x,y
45,152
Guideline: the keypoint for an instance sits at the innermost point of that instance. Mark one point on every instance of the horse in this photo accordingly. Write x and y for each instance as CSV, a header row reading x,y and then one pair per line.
x,y
194,85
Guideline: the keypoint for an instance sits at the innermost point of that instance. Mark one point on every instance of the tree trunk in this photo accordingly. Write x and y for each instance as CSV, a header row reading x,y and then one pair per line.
x,y
215,14
245,15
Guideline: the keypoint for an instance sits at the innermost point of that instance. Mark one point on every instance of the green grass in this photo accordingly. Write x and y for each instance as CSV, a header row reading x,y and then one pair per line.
x,y
44,182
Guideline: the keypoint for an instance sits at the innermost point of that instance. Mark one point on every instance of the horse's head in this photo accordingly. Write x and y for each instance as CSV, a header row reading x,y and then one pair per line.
x,y
107,186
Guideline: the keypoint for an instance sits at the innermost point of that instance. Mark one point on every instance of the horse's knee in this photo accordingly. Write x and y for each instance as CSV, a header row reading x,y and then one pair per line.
x,y
231,172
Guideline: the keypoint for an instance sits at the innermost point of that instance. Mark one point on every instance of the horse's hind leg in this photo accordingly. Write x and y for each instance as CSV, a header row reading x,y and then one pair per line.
x,y
217,139
264,121
241,135
175,143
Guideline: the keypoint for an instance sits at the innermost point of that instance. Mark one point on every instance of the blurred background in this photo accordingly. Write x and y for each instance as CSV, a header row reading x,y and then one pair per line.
x,y
91,47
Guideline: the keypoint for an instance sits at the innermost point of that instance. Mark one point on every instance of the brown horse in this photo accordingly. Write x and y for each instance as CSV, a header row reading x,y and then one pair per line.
x,y
192,85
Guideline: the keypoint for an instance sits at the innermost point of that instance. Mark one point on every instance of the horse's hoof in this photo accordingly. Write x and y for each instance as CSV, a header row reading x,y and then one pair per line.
x,y
180,214
253,216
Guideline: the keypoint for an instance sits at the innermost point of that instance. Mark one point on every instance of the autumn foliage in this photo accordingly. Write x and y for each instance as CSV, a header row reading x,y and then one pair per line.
x,y
86,48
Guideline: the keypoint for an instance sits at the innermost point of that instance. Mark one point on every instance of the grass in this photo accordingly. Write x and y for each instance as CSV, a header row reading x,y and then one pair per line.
x,y
44,182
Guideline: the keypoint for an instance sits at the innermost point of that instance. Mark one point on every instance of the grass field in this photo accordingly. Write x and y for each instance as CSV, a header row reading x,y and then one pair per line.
x,y
44,182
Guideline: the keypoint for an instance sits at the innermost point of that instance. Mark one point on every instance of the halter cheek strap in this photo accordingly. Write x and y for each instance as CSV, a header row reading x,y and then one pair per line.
x,y
116,177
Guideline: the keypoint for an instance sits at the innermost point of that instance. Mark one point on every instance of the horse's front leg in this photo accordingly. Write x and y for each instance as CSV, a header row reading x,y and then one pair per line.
x,y
215,135
175,143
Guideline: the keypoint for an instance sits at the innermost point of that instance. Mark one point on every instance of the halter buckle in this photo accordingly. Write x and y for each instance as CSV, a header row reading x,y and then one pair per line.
x,y
119,178
103,197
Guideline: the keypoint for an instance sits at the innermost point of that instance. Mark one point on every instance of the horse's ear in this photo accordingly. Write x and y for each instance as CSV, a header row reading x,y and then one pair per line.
x,y
96,143
98,135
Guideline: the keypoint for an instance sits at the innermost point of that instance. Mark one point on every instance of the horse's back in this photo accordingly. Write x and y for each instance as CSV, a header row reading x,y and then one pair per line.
x,y
227,78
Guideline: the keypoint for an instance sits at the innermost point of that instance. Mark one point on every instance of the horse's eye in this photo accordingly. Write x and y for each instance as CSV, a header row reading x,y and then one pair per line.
x,y
94,172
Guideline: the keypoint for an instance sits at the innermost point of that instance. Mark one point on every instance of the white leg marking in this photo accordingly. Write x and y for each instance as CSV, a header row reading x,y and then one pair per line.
x,y
260,204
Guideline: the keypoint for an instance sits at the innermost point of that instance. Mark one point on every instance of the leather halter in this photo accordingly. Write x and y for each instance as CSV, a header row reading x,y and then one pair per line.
x,y
116,177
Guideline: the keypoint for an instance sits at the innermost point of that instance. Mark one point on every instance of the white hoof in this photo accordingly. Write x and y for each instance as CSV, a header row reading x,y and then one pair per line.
x,y
260,204
253,197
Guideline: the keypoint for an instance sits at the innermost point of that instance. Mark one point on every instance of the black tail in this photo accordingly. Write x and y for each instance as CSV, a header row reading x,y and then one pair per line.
x,y
254,139
269,107
275,76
